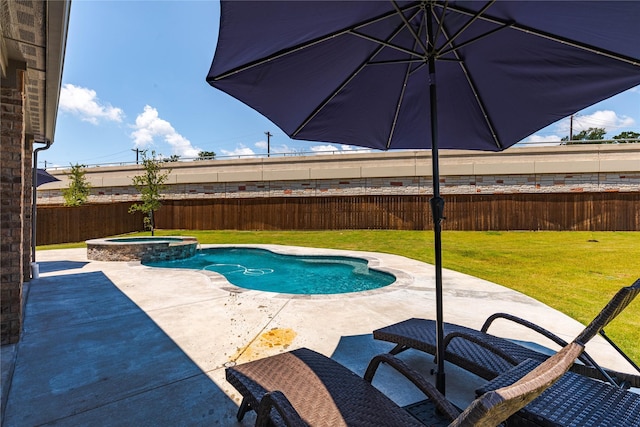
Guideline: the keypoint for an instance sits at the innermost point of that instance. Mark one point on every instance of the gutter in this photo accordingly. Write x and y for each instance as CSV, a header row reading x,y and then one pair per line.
x,y
34,184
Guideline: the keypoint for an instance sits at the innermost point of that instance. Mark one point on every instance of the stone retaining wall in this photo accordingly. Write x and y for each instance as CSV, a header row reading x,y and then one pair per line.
x,y
144,251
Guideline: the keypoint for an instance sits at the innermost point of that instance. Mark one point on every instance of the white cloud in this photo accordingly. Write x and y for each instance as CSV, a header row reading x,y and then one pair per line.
x,y
606,119
149,125
542,141
276,149
332,149
85,104
352,148
241,150
324,149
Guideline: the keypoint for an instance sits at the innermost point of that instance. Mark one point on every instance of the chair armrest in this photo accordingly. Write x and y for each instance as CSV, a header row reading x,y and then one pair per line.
x,y
539,329
591,369
278,401
443,405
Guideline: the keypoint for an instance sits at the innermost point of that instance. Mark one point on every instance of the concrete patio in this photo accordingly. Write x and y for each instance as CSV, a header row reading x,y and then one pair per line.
x,y
121,344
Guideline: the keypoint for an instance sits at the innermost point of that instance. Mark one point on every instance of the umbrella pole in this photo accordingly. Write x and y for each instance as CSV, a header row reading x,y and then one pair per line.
x,y
437,210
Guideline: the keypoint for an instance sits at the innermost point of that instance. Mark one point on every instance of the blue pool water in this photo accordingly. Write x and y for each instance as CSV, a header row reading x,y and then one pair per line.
x,y
264,270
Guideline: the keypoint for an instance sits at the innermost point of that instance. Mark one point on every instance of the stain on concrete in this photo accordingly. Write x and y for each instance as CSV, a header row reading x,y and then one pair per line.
x,y
267,343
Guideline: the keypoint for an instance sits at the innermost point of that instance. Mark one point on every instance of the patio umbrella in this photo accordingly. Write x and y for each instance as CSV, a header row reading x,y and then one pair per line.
x,y
44,177
366,73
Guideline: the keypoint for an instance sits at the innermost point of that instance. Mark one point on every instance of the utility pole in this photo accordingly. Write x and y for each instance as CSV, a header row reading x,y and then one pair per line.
x,y
268,143
571,129
137,150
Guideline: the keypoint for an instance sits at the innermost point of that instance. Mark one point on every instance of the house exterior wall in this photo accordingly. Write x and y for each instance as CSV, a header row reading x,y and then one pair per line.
x,y
15,208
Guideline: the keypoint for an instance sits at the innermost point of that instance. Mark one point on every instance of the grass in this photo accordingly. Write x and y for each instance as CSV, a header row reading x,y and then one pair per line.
x,y
574,272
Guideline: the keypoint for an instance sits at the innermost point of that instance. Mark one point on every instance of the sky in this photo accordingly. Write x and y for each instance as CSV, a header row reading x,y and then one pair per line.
x,y
134,79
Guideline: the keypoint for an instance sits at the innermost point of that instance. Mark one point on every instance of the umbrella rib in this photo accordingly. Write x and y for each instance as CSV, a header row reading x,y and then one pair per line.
x,y
382,45
481,106
404,89
441,23
474,18
399,105
387,44
473,40
328,99
410,27
473,88
305,45
552,37
398,61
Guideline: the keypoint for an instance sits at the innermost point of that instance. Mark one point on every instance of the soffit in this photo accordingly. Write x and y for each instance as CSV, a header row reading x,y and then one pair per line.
x,y
34,33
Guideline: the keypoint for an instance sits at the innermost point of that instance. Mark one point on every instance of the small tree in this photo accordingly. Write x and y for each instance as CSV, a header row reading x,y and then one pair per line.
x,y
587,136
149,185
627,135
79,188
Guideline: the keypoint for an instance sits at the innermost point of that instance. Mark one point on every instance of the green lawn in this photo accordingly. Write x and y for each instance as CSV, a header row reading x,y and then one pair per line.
x,y
574,272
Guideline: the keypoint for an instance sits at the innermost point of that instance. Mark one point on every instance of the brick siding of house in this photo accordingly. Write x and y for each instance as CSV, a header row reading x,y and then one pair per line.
x,y
15,172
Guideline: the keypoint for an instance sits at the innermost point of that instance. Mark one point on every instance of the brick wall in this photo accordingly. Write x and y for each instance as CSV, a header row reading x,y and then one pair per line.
x,y
12,210
27,204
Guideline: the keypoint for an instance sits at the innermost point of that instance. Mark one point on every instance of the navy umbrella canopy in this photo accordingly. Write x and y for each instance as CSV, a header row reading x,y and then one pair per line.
x,y
478,75
44,177
357,72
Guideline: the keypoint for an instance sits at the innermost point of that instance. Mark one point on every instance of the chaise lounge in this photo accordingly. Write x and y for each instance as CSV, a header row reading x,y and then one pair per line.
x,y
488,355
302,387
582,397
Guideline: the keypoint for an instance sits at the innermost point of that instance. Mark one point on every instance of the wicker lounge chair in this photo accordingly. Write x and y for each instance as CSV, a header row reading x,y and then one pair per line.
x,y
575,400
303,387
488,356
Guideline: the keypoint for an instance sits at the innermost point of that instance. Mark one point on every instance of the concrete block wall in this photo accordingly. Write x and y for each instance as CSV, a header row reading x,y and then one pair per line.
x,y
400,185
565,169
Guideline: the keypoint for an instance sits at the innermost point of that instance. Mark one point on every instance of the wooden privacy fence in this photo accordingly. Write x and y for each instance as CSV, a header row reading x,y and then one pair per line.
x,y
580,211
557,212
62,224
552,212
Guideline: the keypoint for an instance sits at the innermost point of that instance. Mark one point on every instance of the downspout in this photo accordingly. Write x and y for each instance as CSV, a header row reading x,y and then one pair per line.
x,y
34,178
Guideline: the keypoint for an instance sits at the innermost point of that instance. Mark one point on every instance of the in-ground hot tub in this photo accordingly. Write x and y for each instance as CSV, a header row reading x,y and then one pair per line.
x,y
145,249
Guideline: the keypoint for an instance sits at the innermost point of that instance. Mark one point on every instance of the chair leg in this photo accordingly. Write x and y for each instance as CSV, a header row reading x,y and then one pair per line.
x,y
398,349
244,407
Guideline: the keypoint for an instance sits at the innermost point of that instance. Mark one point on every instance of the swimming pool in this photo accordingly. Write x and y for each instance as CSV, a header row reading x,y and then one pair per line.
x,y
263,270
